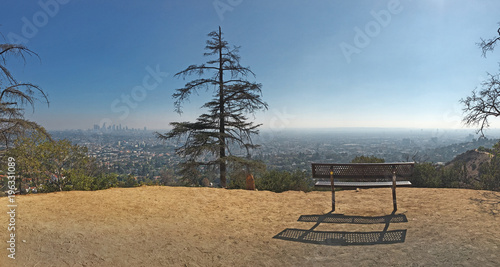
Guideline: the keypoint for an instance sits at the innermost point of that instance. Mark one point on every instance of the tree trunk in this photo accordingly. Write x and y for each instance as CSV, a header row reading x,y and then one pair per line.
x,y
222,142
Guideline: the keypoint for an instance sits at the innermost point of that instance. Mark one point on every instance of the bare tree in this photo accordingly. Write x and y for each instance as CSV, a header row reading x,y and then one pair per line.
x,y
15,95
489,45
483,104
209,140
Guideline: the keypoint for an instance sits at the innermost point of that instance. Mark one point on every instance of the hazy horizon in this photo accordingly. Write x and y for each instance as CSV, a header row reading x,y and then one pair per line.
x,y
320,130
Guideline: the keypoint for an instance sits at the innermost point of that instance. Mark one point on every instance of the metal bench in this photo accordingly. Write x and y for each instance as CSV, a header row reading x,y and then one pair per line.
x,y
356,175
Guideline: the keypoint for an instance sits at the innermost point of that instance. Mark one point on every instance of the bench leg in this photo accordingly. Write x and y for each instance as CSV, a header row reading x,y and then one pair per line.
x,y
333,191
395,204
333,199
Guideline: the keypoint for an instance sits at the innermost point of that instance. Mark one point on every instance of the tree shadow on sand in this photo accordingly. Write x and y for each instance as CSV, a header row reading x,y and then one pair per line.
x,y
490,202
336,238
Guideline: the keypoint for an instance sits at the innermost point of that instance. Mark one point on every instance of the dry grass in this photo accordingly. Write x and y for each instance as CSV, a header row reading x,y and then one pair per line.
x,y
167,226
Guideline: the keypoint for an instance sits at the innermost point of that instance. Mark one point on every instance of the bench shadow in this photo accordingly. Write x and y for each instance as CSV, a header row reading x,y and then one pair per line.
x,y
338,238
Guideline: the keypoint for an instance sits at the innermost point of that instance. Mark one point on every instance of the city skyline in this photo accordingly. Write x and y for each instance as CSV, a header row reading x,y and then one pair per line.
x,y
329,64
115,127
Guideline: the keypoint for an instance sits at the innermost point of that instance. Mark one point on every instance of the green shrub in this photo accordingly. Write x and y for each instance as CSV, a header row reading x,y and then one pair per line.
x,y
426,175
365,159
67,187
280,181
237,179
81,181
48,188
128,182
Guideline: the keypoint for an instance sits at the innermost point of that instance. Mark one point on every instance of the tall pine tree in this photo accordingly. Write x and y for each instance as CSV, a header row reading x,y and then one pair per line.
x,y
209,142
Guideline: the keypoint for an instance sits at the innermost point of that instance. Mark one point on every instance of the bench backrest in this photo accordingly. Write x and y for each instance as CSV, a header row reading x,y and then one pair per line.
x,y
362,170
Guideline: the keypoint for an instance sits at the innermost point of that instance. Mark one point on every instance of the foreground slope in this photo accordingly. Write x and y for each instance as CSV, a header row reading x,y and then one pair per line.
x,y
175,226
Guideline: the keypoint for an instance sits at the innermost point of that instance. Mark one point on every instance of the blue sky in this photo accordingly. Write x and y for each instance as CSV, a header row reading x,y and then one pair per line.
x,y
321,63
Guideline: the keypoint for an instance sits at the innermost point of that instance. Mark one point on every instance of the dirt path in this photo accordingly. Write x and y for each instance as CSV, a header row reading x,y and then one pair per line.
x,y
168,226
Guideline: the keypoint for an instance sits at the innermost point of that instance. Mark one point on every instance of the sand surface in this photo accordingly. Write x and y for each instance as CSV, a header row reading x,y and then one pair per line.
x,y
175,226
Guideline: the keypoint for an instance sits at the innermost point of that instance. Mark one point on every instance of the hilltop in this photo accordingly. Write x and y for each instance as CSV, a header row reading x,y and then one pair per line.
x,y
179,226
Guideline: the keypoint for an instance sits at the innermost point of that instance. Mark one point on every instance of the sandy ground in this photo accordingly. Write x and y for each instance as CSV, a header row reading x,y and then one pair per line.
x,y
168,226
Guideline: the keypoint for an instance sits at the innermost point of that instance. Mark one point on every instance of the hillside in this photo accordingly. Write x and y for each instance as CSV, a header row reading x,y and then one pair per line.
x,y
176,226
449,152
473,159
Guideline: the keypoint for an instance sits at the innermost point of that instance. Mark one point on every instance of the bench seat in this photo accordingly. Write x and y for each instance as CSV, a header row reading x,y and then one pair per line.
x,y
327,183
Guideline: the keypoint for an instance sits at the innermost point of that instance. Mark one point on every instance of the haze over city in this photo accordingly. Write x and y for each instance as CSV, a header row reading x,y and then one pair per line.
x,y
322,64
